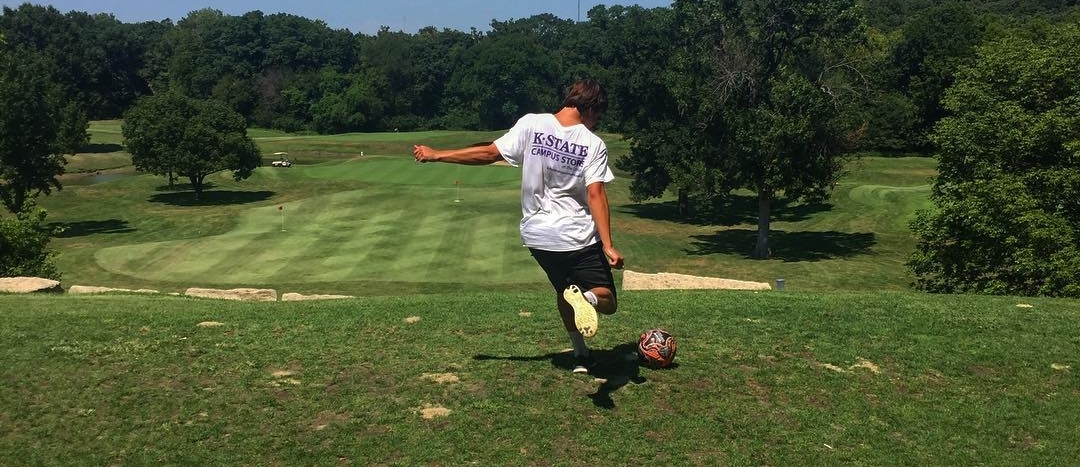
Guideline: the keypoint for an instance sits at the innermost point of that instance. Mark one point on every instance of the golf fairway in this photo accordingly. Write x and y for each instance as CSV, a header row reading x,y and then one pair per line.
x,y
441,224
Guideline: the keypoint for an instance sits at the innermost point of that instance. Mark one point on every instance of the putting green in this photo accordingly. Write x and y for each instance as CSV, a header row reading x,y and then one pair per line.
x,y
411,224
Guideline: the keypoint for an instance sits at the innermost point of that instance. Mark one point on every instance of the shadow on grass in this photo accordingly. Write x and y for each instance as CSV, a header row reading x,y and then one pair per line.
x,y
84,228
101,148
617,367
211,198
735,210
786,246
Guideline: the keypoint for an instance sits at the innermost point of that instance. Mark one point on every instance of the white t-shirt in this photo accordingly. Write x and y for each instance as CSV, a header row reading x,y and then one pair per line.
x,y
557,164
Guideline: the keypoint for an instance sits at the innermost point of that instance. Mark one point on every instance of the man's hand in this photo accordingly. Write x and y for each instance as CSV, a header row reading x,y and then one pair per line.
x,y
423,153
614,258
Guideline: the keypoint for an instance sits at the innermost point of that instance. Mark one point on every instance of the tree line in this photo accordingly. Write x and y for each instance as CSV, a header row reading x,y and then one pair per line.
x,y
292,73
770,96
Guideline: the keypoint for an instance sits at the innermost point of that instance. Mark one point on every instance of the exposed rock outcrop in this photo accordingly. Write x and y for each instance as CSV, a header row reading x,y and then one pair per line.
x,y
29,285
295,297
90,289
246,295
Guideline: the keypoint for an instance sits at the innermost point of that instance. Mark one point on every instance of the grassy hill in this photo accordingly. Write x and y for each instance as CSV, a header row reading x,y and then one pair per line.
x,y
770,378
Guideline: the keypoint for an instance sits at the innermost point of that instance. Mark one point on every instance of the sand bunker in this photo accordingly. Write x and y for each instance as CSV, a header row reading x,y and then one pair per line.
x,y
665,280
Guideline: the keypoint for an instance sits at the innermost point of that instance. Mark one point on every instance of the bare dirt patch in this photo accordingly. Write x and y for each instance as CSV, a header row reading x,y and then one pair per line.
x,y
284,378
665,280
861,363
441,378
327,418
430,411
866,365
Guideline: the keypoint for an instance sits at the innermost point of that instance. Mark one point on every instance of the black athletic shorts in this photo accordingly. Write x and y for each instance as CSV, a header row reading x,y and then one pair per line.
x,y
587,268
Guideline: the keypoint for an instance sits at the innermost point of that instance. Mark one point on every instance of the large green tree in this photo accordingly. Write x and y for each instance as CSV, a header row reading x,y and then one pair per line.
x,y
762,86
24,237
1007,217
34,131
172,134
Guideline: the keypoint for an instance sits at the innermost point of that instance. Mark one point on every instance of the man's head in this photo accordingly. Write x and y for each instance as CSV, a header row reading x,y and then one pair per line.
x,y
589,98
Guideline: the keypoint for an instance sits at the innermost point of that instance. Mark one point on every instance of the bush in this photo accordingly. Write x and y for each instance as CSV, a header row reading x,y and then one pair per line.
x,y
24,241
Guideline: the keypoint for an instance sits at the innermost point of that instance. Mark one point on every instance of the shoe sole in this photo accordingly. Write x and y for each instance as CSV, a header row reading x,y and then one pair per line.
x,y
580,369
584,312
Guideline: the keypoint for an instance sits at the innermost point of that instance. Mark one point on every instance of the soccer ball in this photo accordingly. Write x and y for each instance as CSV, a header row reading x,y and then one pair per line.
x,y
656,348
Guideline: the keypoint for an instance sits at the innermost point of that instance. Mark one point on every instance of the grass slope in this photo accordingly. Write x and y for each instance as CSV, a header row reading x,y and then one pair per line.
x,y
762,379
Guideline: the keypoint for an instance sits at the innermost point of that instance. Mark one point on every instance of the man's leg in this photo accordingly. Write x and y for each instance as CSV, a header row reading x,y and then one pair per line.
x,y
582,357
578,307
605,300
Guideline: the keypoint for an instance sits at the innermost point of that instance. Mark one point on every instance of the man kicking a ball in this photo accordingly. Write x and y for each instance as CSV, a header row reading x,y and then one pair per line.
x,y
565,219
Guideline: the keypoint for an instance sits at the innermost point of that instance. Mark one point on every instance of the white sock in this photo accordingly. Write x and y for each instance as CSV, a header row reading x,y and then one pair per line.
x,y
576,339
591,297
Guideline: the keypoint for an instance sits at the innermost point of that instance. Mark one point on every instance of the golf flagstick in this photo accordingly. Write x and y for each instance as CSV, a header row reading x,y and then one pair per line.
x,y
281,209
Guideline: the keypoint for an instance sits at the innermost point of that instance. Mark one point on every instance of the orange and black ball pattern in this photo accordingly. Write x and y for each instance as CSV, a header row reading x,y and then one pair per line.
x,y
657,348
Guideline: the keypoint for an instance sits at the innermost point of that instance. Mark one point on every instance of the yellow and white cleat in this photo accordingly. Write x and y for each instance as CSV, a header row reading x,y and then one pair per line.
x,y
584,312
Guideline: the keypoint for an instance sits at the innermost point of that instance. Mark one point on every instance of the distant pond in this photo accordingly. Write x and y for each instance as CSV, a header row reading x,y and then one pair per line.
x,y
94,178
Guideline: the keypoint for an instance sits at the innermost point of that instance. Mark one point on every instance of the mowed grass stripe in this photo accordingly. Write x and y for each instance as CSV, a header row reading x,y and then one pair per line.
x,y
165,261
373,234
482,243
253,257
469,250
255,250
341,231
346,238
426,242
199,260
496,251
375,251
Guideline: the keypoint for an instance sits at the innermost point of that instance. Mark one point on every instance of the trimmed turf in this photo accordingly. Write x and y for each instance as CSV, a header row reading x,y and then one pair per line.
x,y
781,379
411,223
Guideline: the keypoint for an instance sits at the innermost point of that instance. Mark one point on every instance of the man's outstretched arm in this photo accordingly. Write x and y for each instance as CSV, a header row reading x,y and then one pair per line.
x,y
471,155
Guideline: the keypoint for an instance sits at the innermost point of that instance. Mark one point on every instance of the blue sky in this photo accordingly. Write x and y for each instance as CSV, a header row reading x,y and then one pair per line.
x,y
364,16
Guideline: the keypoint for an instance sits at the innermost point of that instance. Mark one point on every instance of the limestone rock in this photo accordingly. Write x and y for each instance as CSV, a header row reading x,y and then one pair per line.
x,y
90,289
242,294
29,285
295,297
